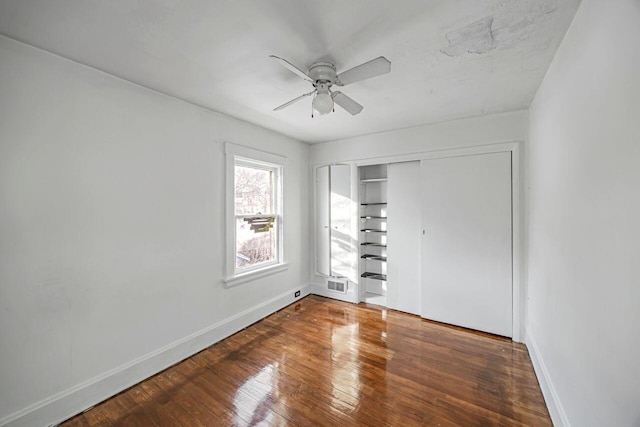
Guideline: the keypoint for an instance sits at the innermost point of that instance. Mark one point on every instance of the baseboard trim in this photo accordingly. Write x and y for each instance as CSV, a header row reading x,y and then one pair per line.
x,y
64,405
556,410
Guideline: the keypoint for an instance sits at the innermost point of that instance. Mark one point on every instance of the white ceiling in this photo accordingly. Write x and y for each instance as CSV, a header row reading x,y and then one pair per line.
x,y
450,58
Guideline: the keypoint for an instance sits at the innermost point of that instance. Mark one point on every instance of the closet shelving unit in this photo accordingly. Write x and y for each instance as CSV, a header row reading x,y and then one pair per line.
x,y
373,233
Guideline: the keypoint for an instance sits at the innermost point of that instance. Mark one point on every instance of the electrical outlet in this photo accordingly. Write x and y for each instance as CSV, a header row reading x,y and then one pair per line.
x,y
297,294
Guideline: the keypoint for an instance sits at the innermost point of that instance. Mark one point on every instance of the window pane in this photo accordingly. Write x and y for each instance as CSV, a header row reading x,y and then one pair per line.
x,y
253,247
253,190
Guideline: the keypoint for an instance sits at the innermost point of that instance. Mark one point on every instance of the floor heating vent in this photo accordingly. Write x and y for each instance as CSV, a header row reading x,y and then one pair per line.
x,y
337,285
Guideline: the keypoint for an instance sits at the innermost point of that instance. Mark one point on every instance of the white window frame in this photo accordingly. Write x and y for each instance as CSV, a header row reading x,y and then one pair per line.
x,y
244,156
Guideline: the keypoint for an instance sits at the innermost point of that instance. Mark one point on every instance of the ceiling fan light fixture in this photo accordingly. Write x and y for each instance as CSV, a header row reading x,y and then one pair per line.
x,y
322,75
322,103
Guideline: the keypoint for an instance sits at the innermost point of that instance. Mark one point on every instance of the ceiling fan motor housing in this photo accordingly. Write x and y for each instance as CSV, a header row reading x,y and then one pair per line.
x,y
323,72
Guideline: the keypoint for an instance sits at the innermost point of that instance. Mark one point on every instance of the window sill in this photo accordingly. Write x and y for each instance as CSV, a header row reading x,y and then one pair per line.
x,y
256,274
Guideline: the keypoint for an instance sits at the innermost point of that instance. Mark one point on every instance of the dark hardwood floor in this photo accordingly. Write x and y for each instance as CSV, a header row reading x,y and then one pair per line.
x,y
325,362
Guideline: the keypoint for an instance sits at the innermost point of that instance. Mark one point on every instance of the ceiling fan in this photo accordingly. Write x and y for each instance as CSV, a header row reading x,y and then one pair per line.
x,y
322,75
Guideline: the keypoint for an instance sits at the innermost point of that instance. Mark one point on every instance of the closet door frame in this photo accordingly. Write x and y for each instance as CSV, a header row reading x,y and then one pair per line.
x,y
517,227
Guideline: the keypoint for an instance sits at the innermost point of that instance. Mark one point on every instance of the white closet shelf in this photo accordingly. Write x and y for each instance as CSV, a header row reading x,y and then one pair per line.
x,y
364,181
374,257
376,276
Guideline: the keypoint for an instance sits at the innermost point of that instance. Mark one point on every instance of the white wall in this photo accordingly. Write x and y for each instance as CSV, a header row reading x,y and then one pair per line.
x,y
584,262
112,233
507,127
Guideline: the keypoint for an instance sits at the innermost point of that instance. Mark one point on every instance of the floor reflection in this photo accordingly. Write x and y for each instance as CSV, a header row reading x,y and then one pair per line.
x,y
346,369
355,349
257,396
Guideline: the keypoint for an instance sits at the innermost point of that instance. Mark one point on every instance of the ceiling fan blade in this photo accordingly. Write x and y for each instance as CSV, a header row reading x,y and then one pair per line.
x,y
375,67
289,66
293,101
346,103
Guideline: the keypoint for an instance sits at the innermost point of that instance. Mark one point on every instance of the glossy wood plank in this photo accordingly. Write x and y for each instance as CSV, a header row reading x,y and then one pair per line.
x,y
325,362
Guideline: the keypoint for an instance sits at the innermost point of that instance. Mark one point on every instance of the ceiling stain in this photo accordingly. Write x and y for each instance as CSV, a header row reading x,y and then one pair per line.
x,y
495,31
474,38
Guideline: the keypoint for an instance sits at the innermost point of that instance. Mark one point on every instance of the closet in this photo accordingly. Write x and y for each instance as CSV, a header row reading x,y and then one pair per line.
x,y
433,236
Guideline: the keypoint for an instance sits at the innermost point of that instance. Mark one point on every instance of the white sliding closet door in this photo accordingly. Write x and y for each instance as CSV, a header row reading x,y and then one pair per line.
x,y
323,219
466,241
342,243
403,237
334,243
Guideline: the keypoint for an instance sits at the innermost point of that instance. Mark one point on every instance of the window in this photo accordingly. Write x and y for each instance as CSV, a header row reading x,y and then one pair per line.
x,y
254,213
